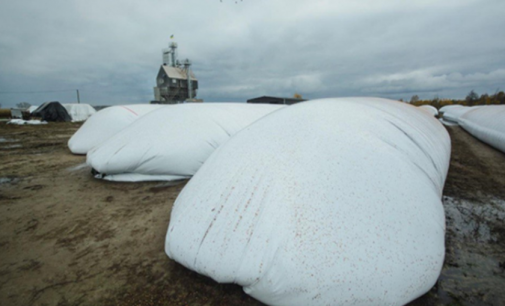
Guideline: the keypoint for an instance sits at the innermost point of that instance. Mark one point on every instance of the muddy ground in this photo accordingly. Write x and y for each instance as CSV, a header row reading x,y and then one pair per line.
x,y
69,239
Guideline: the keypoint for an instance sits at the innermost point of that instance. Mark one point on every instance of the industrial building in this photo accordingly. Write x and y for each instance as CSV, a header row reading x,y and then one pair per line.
x,y
175,81
275,100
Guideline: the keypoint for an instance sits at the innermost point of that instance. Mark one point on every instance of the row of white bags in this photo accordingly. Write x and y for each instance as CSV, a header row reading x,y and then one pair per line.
x,y
452,114
135,143
333,201
486,123
326,202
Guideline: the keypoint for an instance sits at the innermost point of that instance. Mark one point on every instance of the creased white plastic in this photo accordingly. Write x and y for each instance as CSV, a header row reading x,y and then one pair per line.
x,y
79,112
326,202
104,124
137,177
431,109
173,142
487,123
446,107
452,114
447,123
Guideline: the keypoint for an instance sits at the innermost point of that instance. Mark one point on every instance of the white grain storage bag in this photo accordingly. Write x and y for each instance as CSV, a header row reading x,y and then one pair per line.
x,y
452,114
326,202
172,143
487,123
443,109
79,111
104,124
430,109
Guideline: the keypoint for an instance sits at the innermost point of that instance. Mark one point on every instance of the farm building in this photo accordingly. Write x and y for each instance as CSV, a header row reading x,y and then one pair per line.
x,y
175,81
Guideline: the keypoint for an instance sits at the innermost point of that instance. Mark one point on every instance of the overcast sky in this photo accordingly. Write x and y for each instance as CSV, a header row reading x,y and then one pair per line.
x,y
111,50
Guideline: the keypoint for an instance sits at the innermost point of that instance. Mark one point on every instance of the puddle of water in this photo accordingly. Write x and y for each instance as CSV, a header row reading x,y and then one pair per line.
x,y
11,146
3,139
7,180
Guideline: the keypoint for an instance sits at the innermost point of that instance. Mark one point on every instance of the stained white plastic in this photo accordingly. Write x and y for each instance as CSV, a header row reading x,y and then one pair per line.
x,y
79,112
430,109
487,123
326,202
172,143
105,123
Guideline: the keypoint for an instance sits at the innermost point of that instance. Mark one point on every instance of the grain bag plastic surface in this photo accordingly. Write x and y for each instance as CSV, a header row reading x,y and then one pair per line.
x,y
104,124
446,107
172,143
79,112
326,202
431,109
487,123
452,114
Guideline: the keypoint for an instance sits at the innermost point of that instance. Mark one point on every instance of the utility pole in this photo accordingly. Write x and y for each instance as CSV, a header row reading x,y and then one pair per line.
x,y
78,99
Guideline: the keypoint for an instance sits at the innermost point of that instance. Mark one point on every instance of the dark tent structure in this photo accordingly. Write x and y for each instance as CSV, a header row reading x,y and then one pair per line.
x,y
52,111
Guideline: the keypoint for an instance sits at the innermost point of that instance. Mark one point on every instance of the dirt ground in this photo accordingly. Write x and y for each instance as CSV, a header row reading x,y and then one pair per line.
x,y
69,239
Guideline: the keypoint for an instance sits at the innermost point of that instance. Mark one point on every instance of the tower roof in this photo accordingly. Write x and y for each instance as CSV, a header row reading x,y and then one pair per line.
x,y
177,73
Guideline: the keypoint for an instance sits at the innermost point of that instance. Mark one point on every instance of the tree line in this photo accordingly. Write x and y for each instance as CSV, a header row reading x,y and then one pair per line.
x,y
471,99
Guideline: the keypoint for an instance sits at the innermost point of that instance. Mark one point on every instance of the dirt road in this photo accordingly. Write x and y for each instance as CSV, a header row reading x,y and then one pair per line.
x,y
69,239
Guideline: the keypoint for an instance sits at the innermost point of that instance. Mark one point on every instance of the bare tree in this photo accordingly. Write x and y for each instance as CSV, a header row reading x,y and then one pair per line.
x,y
23,105
414,99
472,97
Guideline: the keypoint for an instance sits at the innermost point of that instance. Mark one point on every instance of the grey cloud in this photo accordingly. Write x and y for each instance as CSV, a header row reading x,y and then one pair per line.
x,y
111,50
